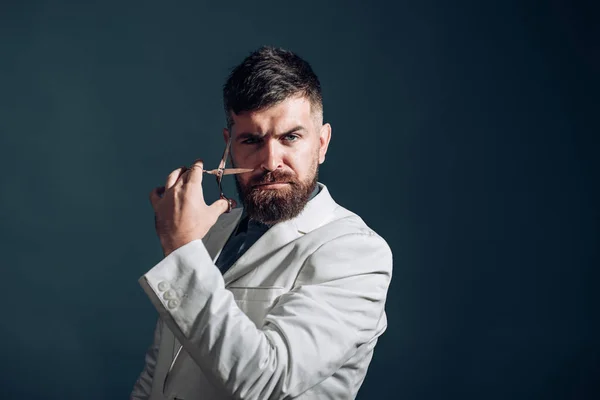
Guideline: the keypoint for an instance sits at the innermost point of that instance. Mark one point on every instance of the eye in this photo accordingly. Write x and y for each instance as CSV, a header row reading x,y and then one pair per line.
x,y
291,137
251,140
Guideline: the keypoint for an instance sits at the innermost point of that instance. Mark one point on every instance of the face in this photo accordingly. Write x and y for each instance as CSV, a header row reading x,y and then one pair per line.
x,y
284,145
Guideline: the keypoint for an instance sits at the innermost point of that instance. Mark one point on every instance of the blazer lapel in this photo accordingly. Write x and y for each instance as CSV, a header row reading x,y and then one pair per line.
x,y
272,240
220,232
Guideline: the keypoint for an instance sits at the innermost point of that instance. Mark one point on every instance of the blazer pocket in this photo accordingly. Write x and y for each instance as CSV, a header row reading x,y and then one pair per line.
x,y
256,302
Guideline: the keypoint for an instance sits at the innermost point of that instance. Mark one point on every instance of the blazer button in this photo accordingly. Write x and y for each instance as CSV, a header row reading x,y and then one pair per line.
x,y
162,286
171,304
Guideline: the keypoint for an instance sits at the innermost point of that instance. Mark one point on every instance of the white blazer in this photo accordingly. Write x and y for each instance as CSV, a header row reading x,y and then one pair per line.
x,y
296,317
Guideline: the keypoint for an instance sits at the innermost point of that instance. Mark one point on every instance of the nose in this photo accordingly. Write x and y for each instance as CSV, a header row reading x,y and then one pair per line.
x,y
272,157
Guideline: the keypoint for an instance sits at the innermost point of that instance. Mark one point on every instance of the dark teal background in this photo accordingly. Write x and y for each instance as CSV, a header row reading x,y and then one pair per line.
x,y
463,132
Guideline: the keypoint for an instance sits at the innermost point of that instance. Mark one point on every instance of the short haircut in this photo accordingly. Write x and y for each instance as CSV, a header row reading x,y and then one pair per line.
x,y
267,77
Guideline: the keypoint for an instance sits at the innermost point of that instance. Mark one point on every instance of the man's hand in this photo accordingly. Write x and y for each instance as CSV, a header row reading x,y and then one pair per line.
x,y
180,213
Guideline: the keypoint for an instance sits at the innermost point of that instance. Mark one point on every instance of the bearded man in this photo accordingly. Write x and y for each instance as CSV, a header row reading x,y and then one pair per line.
x,y
284,297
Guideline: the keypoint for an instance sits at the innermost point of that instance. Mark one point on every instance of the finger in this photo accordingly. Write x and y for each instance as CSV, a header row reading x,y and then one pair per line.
x,y
195,173
156,195
173,177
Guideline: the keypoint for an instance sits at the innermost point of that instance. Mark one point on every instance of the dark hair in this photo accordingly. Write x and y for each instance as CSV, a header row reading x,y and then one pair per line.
x,y
267,77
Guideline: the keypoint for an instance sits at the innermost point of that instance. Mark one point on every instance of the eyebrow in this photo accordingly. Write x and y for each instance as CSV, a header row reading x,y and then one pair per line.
x,y
245,135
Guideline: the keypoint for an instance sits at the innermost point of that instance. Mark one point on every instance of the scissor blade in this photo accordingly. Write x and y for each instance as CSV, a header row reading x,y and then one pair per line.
x,y
228,171
225,154
233,171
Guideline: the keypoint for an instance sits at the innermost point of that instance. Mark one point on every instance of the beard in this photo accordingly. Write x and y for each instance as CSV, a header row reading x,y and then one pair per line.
x,y
277,205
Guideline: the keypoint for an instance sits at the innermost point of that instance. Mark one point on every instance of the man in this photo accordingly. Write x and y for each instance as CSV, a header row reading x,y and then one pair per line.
x,y
282,298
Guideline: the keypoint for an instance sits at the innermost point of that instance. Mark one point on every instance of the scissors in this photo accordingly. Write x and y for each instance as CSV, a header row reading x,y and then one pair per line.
x,y
221,171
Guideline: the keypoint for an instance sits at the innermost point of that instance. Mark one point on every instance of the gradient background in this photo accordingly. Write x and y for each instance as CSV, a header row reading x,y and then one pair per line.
x,y
464,133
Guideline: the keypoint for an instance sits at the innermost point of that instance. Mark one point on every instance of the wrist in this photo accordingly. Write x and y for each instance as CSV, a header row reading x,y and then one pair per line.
x,y
170,244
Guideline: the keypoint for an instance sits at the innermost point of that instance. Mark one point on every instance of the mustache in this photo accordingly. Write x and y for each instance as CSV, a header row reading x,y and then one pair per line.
x,y
274,177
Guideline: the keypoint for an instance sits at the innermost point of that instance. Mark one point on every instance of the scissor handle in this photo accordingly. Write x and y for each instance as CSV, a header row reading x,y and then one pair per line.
x,y
229,202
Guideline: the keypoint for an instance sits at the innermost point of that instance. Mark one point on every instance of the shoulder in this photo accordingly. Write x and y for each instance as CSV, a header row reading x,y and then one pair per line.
x,y
349,225
345,246
325,219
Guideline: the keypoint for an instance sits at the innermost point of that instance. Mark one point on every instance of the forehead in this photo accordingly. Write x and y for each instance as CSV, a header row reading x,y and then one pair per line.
x,y
291,112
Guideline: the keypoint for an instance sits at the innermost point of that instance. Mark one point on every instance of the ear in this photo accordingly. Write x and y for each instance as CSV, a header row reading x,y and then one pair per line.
x,y
324,138
226,135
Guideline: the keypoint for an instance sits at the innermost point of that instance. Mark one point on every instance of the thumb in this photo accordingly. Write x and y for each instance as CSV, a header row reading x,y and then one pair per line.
x,y
222,206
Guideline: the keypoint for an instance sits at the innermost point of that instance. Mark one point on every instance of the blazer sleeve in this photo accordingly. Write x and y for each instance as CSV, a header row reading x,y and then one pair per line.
x,y
143,386
335,307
